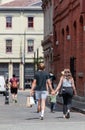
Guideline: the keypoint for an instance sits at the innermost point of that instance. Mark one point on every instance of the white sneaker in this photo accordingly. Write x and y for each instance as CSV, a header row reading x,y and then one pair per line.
x,y
64,116
68,115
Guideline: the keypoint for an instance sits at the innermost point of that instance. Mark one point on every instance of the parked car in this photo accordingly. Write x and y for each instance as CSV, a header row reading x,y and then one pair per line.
x,y
2,85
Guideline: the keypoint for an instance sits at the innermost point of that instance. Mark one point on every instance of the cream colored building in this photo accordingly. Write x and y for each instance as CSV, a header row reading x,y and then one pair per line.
x,y
21,33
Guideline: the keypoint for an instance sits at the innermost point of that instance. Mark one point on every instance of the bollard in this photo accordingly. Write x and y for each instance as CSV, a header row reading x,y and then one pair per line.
x,y
7,96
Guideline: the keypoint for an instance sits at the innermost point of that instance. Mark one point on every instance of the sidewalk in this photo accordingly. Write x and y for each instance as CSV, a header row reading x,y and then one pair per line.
x,y
78,104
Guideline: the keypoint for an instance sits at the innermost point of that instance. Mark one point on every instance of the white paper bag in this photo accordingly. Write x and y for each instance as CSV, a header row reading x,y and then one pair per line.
x,y
30,101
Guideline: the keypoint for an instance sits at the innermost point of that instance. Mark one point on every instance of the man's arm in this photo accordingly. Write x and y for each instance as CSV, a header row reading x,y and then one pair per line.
x,y
49,84
33,86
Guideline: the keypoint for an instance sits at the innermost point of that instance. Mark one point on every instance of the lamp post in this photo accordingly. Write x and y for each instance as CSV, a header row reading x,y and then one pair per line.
x,y
37,57
24,59
36,60
34,63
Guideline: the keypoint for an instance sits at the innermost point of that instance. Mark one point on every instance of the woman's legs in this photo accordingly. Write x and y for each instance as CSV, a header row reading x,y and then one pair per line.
x,y
64,104
67,102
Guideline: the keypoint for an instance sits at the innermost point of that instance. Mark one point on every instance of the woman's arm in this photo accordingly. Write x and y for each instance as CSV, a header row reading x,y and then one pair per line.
x,y
59,85
74,88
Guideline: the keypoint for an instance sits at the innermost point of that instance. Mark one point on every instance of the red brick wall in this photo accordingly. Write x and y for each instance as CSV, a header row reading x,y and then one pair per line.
x,y
82,6
68,19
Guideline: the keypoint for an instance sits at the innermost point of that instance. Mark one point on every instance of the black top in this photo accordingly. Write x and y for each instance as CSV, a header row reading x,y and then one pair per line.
x,y
52,78
41,78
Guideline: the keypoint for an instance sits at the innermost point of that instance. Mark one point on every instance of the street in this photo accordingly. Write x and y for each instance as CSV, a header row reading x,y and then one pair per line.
x,y
16,116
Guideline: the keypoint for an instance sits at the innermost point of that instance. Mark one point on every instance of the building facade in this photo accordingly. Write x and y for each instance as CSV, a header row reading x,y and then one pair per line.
x,y
5,1
47,43
21,33
69,40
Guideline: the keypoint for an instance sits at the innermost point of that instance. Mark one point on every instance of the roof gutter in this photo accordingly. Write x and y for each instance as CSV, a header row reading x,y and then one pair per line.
x,y
20,8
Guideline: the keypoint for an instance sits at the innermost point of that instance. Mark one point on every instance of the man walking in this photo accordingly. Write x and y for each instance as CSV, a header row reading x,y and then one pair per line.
x,y
14,87
40,83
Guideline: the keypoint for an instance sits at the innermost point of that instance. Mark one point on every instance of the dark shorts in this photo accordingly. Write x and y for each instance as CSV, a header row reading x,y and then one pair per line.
x,y
14,90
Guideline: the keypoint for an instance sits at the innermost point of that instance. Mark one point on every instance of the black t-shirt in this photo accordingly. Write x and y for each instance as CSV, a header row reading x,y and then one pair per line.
x,y
52,78
41,78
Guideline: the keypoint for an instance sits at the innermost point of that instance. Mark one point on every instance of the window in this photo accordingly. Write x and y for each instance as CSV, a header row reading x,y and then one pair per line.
x,y
30,47
30,22
9,46
8,21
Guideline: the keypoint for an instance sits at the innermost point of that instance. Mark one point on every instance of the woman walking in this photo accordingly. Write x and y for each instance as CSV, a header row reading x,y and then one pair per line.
x,y
40,83
68,90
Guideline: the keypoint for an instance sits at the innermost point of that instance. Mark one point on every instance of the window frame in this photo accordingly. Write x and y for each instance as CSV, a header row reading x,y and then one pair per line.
x,y
8,21
30,48
30,22
9,46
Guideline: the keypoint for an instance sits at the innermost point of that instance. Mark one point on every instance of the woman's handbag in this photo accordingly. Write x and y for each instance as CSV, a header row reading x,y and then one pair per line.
x,y
66,90
30,101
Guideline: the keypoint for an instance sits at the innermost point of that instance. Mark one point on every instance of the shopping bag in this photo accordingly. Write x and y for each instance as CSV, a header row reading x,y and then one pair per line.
x,y
30,101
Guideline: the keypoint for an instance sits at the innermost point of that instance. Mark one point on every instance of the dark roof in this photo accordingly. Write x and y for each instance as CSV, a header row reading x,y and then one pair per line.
x,y
22,3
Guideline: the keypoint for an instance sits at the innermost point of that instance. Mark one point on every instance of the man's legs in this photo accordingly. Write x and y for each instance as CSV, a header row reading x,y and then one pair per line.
x,y
43,103
39,106
41,97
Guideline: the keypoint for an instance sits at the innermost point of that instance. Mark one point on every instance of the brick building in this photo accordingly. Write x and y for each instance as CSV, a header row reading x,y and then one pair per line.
x,y
47,6
69,40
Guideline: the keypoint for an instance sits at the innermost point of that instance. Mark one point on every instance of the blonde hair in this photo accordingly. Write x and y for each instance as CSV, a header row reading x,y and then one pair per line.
x,y
66,69
41,66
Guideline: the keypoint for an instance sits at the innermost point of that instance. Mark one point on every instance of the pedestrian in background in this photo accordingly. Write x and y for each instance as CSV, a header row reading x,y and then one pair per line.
x,y
68,90
52,78
40,82
14,83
